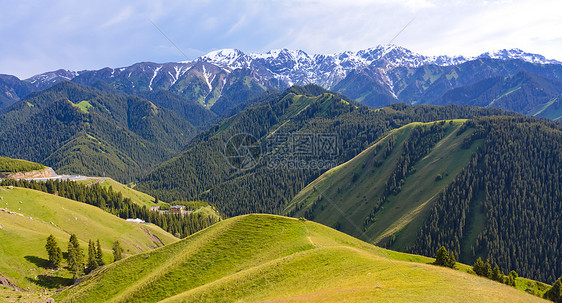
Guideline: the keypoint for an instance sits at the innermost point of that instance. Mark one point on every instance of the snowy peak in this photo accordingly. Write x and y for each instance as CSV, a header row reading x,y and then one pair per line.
x,y
225,57
385,56
47,79
507,54
298,67
277,68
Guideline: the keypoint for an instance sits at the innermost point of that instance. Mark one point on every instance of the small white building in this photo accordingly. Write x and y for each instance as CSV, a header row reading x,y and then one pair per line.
x,y
137,220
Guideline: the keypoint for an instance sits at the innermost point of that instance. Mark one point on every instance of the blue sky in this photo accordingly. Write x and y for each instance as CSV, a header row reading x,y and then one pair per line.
x,y
39,36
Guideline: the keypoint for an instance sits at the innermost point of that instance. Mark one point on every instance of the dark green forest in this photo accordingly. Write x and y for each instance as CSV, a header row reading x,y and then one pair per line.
x,y
505,206
80,130
202,171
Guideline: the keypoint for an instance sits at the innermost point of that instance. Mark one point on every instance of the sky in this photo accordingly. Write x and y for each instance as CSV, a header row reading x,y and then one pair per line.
x,y
44,35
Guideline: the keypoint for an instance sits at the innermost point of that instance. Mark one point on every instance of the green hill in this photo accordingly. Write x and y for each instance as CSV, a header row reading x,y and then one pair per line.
x,y
136,197
203,172
8,165
36,215
465,185
344,196
81,130
265,257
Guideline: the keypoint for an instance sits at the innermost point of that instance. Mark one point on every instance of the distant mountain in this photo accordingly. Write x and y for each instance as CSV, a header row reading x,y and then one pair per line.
x,y
223,79
298,67
48,79
77,129
523,92
12,90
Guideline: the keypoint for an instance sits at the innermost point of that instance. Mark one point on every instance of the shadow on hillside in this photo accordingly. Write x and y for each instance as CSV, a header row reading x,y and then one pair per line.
x,y
40,262
51,282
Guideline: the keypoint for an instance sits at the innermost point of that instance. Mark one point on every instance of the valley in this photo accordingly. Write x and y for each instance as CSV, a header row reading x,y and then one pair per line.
x,y
284,176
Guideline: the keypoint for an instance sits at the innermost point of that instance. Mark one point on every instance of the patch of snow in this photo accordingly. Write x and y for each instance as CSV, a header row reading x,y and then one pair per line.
x,y
207,76
154,76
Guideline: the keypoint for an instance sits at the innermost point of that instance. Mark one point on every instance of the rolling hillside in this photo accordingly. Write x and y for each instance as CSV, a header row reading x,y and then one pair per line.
x,y
136,197
35,215
264,257
345,196
467,185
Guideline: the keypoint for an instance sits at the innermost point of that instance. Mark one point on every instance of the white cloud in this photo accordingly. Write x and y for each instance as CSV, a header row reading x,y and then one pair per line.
x,y
45,35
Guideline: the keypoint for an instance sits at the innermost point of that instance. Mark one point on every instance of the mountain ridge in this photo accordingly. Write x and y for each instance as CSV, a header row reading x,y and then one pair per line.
x,y
207,79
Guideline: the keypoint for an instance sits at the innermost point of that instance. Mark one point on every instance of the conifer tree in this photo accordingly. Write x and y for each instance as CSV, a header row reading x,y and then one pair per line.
x,y
54,252
117,251
75,257
92,255
487,269
497,274
444,259
479,268
511,278
555,292
99,253
452,260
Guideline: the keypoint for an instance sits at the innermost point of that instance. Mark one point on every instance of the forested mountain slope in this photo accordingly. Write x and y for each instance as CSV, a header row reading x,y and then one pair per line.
x,y
385,187
488,187
202,171
506,205
77,129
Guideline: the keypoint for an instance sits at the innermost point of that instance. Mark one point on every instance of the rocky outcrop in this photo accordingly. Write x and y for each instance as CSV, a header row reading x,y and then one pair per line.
x,y
45,173
5,282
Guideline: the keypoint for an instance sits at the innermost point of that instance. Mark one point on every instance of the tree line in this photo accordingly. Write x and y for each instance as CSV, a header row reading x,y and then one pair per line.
x,y
75,255
419,143
484,269
113,202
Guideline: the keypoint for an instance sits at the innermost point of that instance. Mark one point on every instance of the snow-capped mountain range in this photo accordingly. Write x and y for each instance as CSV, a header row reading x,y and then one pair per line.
x,y
224,78
298,67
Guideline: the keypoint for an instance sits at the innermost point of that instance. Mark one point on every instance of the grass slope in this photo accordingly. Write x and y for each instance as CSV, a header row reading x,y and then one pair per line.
x,y
267,257
137,197
146,200
8,165
22,238
347,192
